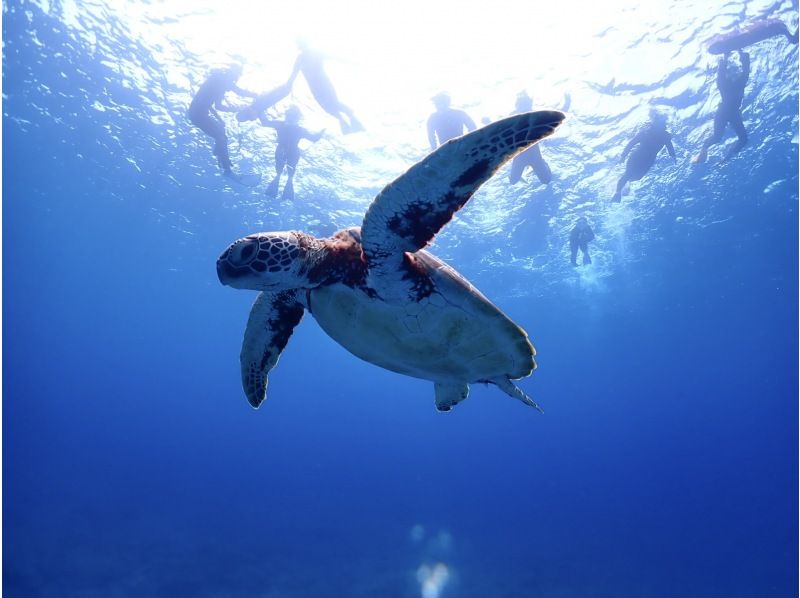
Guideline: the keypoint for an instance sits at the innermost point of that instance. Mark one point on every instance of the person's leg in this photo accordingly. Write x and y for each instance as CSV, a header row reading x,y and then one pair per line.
x,y
586,258
573,247
738,126
623,180
291,166
792,37
720,120
288,188
540,167
355,124
517,168
216,130
280,162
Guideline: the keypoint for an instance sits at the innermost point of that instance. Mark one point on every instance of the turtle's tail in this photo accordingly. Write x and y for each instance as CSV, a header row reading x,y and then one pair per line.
x,y
505,384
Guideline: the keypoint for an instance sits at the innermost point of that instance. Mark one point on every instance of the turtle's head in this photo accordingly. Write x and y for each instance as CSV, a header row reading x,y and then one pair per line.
x,y
265,262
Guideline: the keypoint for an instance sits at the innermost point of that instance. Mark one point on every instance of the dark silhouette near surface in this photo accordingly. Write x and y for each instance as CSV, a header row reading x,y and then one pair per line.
x,y
287,152
731,83
446,123
579,237
750,34
533,155
643,150
208,100
310,63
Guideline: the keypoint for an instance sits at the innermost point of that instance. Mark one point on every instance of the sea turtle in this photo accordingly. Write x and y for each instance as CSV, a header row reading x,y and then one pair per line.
x,y
378,293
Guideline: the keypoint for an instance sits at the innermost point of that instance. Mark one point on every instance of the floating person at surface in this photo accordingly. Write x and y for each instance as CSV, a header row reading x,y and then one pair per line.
x,y
287,152
208,99
643,150
731,83
446,123
750,34
309,62
579,236
533,155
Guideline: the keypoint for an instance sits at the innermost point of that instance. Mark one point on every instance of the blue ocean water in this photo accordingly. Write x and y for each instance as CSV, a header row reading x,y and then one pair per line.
x,y
665,463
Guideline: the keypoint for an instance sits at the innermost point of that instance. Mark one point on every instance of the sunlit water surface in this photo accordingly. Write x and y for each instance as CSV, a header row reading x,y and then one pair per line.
x,y
665,464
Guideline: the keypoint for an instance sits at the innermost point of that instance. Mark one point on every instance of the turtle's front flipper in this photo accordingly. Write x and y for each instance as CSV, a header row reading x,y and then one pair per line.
x,y
408,213
272,320
508,387
449,395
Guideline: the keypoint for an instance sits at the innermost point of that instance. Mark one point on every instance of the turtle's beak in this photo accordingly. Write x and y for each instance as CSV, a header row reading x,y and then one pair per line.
x,y
226,272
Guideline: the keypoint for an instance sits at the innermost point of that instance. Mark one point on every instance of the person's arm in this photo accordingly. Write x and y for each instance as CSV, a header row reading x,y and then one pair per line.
x,y
589,235
432,133
312,136
243,92
567,102
468,122
670,148
722,69
298,64
629,147
265,122
220,105
745,58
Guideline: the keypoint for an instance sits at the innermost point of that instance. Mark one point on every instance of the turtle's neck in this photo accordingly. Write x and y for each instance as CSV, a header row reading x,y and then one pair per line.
x,y
336,259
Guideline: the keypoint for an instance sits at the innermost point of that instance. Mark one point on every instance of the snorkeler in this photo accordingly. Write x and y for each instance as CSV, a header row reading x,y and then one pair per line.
x,y
579,236
731,83
309,62
643,150
446,123
533,155
287,152
208,99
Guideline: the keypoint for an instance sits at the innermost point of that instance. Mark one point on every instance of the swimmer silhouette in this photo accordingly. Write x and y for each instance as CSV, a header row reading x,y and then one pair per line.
x,y
446,123
579,236
310,63
643,150
533,155
731,83
287,152
208,99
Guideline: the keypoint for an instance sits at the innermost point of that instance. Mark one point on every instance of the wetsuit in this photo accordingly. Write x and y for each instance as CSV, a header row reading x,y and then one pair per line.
x,y
578,239
731,88
530,157
643,150
446,125
287,153
533,155
203,115
310,63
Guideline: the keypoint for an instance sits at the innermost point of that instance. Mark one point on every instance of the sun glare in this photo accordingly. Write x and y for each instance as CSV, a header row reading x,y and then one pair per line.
x,y
390,57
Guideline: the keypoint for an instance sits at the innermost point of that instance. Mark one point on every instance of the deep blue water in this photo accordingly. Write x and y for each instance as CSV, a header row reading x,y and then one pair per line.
x,y
665,464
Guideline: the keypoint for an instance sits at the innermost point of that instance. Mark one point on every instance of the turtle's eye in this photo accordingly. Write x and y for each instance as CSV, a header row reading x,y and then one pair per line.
x,y
243,253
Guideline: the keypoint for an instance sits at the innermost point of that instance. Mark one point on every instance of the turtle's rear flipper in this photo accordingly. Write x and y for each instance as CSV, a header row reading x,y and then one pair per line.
x,y
508,387
449,395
